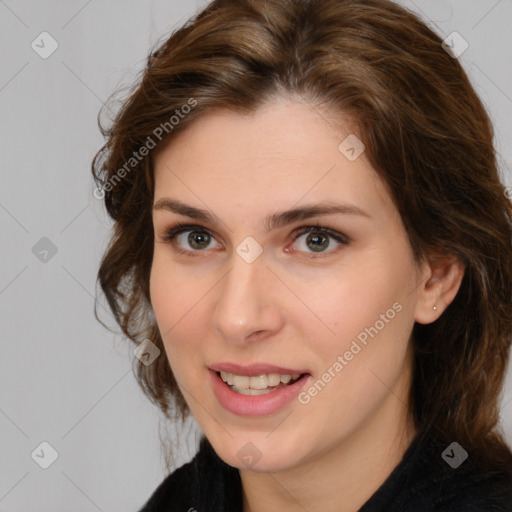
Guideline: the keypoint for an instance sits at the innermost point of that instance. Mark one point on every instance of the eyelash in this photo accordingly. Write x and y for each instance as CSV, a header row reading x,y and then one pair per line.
x,y
179,228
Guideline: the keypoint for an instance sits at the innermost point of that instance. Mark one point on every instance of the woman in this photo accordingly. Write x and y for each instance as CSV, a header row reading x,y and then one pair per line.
x,y
313,250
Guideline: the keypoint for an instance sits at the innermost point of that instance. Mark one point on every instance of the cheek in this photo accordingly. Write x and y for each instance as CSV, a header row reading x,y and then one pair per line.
x,y
178,307
365,354
163,300
374,293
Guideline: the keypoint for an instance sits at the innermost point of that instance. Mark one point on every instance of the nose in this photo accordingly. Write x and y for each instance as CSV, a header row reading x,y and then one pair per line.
x,y
247,305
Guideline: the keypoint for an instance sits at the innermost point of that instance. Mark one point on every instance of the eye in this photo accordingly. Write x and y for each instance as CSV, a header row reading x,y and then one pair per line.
x,y
317,239
189,239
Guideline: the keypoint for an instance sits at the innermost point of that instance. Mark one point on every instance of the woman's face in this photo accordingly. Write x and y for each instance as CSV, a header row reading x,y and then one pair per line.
x,y
246,291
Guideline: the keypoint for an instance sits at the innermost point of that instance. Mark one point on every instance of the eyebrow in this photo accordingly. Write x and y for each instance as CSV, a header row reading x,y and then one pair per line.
x,y
275,220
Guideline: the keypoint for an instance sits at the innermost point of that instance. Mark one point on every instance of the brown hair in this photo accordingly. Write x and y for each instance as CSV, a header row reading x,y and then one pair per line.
x,y
426,134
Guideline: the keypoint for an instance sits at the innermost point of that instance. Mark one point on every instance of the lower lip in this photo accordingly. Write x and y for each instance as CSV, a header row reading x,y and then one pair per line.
x,y
260,405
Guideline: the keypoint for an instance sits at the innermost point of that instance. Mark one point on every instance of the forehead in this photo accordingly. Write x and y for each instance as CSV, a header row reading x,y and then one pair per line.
x,y
284,152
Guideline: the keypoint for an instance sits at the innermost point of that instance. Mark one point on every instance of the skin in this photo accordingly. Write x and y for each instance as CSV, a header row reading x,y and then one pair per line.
x,y
292,306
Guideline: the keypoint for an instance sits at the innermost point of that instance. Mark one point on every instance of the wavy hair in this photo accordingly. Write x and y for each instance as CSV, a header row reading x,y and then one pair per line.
x,y
426,133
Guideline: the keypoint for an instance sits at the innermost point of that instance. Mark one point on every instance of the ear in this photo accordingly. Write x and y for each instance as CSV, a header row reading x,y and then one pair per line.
x,y
442,276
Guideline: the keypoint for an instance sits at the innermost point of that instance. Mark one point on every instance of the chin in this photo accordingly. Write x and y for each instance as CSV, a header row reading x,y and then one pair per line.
x,y
255,453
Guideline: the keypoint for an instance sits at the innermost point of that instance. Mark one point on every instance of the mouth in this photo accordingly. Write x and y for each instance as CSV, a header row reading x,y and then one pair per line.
x,y
262,384
257,389
257,394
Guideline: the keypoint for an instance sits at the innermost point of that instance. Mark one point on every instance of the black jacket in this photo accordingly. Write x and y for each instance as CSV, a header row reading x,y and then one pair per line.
x,y
422,482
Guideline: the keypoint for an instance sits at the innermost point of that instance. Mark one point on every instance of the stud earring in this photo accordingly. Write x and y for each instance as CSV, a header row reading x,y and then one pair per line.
x,y
435,308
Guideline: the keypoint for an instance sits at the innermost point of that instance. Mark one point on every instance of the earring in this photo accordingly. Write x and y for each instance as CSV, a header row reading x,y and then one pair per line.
x,y
435,308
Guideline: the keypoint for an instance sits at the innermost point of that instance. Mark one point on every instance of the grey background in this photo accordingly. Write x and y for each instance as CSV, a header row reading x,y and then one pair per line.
x,y
63,378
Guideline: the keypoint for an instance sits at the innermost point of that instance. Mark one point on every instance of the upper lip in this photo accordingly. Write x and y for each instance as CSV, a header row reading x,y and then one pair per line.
x,y
254,369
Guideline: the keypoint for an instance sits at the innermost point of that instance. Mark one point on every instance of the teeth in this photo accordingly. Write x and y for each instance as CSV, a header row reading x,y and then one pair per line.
x,y
240,381
273,379
258,382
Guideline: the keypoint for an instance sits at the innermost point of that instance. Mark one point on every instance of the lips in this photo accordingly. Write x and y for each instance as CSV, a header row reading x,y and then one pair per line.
x,y
253,370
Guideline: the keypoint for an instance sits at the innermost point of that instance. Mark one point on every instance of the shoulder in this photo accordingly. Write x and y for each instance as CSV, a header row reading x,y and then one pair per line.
x,y
205,479
176,490
428,480
470,486
475,488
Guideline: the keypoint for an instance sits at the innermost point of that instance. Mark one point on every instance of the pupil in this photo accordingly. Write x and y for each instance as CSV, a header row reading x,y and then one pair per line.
x,y
195,239
320,242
